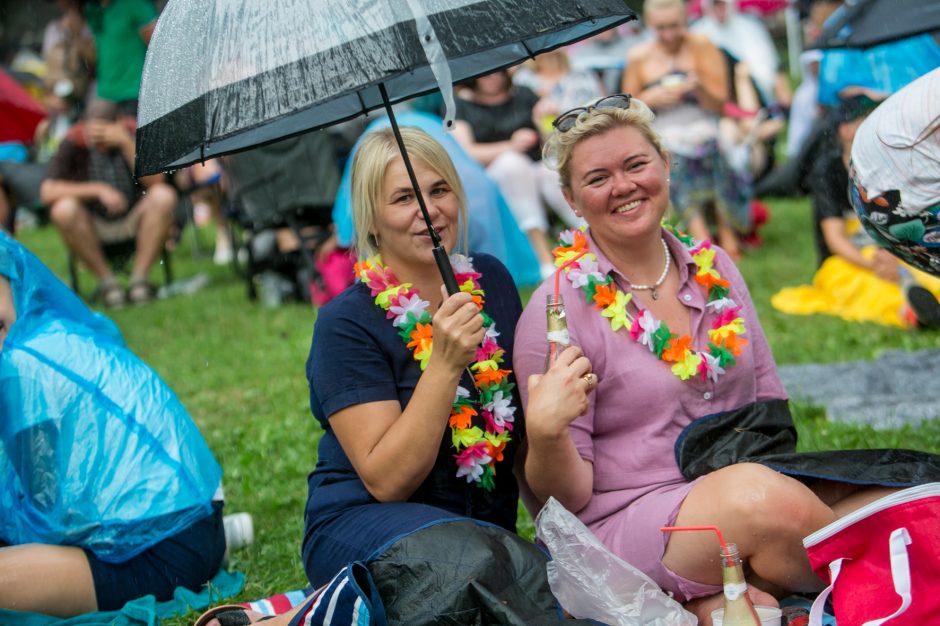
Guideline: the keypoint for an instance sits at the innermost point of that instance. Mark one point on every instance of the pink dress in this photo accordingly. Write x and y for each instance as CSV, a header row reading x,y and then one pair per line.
x,y
640,407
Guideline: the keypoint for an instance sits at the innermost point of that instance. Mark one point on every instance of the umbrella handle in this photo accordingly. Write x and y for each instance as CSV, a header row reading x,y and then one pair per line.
x,y
447,272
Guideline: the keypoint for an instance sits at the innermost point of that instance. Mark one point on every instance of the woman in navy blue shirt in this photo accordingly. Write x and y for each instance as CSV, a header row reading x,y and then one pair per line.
x,y
412,435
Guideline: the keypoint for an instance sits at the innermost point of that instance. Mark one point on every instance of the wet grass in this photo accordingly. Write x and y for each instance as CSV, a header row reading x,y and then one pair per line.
x,y
239,369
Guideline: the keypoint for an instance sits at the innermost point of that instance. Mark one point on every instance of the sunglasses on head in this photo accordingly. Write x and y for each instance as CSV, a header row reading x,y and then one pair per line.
x,y
566,121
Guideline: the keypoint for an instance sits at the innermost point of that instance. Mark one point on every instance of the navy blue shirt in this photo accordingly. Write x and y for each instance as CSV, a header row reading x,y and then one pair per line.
x,y
356,357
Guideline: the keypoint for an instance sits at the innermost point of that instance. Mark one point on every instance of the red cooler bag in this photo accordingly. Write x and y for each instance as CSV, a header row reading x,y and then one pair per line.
x,y
882,561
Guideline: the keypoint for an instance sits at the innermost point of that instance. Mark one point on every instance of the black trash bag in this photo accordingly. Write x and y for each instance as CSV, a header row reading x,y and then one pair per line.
x,y
465,572
763,432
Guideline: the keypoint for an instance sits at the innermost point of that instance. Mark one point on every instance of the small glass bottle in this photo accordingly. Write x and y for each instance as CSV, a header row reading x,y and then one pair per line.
x,y
557,325
738,608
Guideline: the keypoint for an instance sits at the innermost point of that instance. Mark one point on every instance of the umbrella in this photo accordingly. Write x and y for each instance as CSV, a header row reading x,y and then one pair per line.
x,y
227,75
19,113
866,23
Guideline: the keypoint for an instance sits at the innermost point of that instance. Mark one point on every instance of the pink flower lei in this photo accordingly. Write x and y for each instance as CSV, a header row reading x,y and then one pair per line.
x,y
480,429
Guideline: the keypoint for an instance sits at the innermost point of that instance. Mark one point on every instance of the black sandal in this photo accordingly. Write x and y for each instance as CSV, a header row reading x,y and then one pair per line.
x,y
228,615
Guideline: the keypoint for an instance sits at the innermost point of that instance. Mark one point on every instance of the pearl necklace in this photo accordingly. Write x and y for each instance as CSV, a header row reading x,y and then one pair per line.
x,y
662,277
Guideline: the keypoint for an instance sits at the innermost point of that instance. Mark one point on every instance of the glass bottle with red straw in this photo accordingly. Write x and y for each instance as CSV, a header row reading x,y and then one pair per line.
x,y
739,611
555,320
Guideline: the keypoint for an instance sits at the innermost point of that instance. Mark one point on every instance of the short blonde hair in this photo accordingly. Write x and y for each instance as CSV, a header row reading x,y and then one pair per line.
x,y
558,55
376,151
653,5
557,150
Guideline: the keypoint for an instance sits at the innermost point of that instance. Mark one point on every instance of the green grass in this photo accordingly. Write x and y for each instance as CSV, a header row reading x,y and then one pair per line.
x,y
239,369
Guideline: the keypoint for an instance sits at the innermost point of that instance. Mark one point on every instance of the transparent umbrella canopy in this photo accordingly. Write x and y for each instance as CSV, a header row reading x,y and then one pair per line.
x,y
226,75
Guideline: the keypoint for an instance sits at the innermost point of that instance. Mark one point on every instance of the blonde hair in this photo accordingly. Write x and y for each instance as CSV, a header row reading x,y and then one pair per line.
x,y
376,151
556,152
653,5
558,56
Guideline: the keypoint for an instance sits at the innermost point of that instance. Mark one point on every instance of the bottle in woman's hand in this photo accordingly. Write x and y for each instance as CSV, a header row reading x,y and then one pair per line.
x,y
557,324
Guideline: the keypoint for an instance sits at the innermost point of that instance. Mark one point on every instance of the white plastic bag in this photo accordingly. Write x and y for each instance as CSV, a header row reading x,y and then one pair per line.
x,y
590,582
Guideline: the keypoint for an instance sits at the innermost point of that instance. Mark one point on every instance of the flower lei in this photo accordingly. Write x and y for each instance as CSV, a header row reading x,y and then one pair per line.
x,y
478,449
726,343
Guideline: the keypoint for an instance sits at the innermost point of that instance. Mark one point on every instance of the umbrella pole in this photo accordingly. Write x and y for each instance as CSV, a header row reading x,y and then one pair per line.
x,y
440,254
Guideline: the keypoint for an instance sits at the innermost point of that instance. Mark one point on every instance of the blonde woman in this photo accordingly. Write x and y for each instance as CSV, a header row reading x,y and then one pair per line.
x,y
672,336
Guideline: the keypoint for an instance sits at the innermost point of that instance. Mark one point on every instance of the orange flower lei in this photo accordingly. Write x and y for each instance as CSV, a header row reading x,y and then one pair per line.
x,y
478,449
725,338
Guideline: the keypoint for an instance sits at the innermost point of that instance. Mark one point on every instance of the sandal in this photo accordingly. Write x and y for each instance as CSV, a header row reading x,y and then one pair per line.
x,y
111,294
140,292
228,615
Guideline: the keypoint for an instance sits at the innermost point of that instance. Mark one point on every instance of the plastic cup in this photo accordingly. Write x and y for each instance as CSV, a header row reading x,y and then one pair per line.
x,y
769,616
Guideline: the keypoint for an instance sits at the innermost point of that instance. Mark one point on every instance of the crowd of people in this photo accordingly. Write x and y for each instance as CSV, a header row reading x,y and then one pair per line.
x,y
616,195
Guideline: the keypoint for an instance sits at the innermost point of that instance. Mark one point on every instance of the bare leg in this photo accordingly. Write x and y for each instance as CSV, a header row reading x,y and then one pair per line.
x,y
766,513
844,498
54,580
698,227
155,222
75,226
727,238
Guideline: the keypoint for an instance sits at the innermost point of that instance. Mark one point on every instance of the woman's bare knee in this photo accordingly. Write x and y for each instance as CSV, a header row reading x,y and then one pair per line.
x,y
66,212
749,500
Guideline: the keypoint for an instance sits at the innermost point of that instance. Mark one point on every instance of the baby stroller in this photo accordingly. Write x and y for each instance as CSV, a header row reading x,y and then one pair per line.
x,y
281,197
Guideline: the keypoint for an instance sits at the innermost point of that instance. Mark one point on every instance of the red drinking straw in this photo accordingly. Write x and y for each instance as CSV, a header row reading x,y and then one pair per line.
x,y
565,266
721,540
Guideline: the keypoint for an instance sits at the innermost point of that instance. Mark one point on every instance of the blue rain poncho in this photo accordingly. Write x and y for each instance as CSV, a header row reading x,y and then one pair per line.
x,y
95,450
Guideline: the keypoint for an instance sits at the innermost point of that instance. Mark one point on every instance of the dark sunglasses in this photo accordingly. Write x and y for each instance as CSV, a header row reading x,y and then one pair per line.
x,y
566,121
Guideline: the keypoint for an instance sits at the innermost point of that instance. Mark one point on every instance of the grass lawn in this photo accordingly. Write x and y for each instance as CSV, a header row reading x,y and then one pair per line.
x,y
239,369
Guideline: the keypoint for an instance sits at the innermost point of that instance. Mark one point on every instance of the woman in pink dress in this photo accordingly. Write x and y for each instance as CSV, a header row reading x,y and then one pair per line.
x,y
671,335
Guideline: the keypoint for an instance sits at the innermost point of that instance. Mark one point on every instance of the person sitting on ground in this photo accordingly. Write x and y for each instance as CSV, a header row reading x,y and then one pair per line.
x,y
108,492
94,199
856,279
418,432
682,76
495,126
671,335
